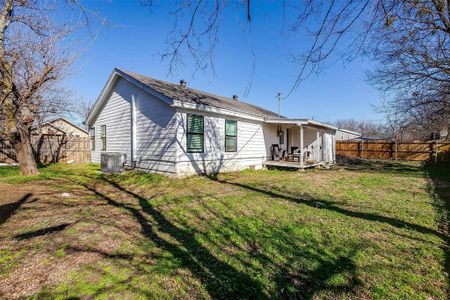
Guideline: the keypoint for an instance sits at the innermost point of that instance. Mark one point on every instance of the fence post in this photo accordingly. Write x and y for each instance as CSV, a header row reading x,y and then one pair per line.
x,y
396,150
436,152
431,150
362,149
359,149
358,154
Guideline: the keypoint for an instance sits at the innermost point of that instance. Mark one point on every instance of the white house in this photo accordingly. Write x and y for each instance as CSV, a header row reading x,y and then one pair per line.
x,y
176,130
344,134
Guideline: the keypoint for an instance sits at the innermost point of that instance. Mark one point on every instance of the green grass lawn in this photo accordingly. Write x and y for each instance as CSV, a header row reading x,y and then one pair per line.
x,y
374,231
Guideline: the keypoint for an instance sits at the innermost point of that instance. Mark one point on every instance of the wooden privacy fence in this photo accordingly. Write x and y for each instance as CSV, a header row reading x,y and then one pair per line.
x,y
51,149
385,149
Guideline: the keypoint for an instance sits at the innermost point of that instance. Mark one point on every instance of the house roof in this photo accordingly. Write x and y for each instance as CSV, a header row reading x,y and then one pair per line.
x,y
186,97
304,122
197,97
65,120
349,131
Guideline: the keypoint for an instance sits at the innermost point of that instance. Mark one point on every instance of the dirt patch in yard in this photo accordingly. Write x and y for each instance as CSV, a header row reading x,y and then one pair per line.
x,y
47,234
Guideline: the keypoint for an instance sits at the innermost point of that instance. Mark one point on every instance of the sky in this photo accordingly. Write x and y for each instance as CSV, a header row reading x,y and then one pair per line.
x,y
136,35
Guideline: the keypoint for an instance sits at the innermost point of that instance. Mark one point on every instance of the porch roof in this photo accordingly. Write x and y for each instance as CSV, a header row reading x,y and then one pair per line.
x,y
300,122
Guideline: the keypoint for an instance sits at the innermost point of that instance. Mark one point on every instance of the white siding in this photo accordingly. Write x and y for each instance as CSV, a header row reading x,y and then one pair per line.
x,y
115,114
310,144
155,128
155,134
329,146
252,143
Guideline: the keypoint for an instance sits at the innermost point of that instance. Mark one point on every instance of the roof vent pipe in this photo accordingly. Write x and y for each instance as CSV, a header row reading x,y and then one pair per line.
x,y
235,98
183,83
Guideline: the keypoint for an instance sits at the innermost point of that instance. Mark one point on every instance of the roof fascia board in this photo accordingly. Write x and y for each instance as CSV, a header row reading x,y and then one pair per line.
x,y
212,109
287,121
349,131
315,123
300,122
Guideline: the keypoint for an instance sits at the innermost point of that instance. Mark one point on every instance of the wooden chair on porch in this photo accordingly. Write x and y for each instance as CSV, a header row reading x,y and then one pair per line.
x,y
294,155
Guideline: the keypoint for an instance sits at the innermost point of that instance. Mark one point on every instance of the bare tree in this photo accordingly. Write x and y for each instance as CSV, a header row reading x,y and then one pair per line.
x,y
365,127
420,118
34,58
408,38
83,109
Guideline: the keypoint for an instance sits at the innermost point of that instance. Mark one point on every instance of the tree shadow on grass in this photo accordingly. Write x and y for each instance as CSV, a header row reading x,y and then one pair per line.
x,y
439,188
305,284
7,210
327,205
41,232
358,164
292,281
220,279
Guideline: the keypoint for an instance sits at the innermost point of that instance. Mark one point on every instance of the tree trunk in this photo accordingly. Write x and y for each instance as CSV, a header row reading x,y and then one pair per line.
x,y
24,153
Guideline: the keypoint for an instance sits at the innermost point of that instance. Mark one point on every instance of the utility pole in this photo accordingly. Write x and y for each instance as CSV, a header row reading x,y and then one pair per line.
x,y
279,100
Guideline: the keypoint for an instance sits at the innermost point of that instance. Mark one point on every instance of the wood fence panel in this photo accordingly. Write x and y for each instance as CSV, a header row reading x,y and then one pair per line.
x,y
53,148
7,154
347,149
380,150
384,149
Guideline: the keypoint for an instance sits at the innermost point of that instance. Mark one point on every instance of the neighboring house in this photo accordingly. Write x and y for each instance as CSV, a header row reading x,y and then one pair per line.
x,y
175,130
62,126
53,141
344,134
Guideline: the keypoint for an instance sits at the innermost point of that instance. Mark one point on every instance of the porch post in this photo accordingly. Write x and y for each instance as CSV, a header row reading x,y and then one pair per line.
x,y
324,158
318,145
301,145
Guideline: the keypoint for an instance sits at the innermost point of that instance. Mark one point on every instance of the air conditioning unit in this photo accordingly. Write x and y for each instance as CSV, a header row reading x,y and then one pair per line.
x,y
112,162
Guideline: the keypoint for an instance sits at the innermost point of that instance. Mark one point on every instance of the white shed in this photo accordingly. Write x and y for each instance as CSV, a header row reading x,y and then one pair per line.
x,y
344,134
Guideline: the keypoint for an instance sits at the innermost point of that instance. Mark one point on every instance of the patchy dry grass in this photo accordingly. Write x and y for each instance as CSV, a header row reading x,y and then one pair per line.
x,y
376,231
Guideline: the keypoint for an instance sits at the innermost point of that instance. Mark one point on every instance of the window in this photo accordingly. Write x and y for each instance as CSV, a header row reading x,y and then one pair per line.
x,y
281,136
195,133
92,137
230,136
103,136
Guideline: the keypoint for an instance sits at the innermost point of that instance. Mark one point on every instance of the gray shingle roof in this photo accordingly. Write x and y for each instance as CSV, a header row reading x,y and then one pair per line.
x,y
190,95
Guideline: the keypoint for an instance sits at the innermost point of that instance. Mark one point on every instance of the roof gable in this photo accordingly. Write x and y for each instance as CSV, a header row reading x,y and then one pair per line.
x,y
107,89
170,92
49,123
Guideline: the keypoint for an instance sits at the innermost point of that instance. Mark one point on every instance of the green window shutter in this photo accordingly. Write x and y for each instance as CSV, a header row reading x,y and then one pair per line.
x,y
195,142
195,124
230,136
195,133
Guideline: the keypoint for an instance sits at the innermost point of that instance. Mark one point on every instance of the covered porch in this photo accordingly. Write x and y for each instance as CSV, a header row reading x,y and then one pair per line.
x,y
301,143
